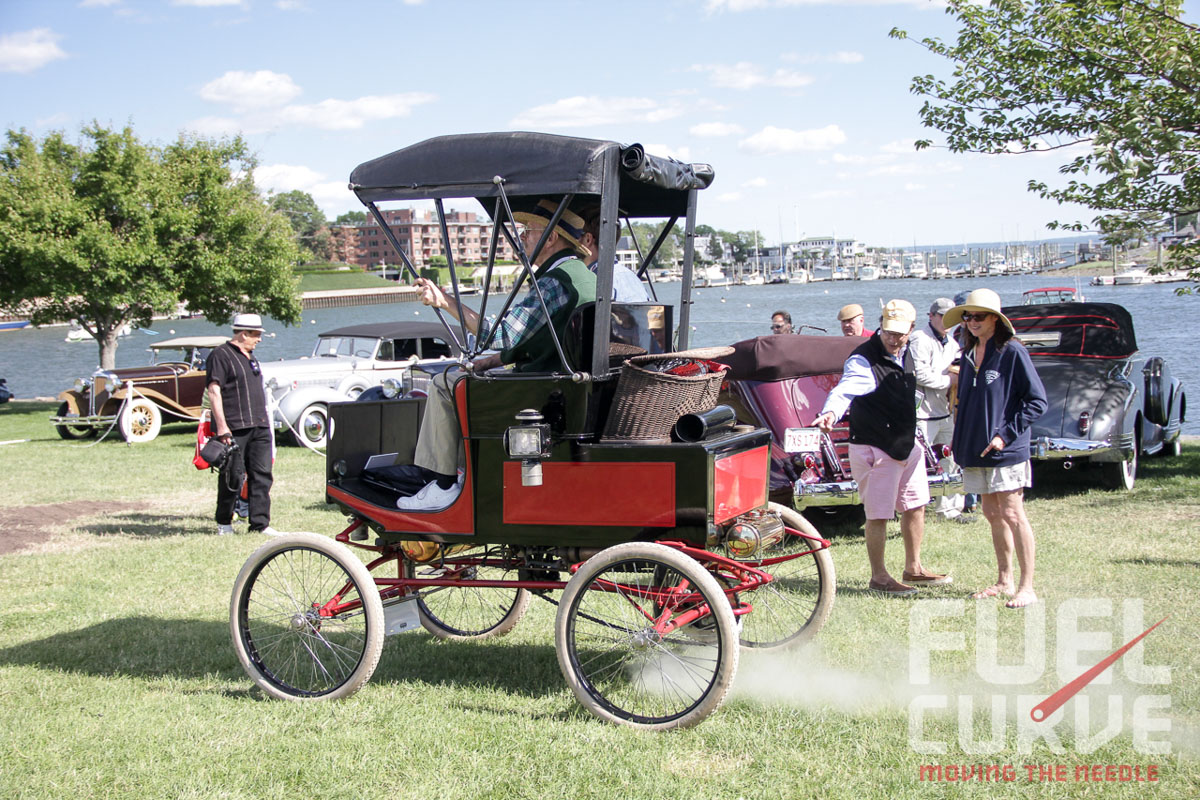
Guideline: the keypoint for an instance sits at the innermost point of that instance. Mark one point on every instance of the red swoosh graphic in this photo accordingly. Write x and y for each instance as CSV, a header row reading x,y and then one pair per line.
x,y
1055,701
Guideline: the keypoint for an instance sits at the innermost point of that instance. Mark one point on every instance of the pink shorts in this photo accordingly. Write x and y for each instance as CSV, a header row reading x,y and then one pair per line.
x,y
887,485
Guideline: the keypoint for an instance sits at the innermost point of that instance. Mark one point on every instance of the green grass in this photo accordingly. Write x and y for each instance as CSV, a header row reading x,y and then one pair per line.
x,y
353,278
117,677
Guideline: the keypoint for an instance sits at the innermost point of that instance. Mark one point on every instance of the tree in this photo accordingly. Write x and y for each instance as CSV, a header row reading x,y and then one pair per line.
x,y
351,218
1112,83
308,221
114,231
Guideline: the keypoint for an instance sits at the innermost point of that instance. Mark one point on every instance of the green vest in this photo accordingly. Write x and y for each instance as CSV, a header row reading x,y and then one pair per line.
x,y
535,352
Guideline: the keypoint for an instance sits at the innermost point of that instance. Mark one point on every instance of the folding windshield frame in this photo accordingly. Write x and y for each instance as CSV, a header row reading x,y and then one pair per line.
x,y
504,224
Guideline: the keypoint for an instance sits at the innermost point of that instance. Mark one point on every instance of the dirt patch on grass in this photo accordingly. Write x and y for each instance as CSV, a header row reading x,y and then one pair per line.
x,y
26,527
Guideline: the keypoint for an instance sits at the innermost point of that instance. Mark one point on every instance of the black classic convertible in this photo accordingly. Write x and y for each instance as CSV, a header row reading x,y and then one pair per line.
x,y
1108,406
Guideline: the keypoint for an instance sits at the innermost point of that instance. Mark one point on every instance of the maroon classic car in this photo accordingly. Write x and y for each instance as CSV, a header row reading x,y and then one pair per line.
x,y
780,383
136,399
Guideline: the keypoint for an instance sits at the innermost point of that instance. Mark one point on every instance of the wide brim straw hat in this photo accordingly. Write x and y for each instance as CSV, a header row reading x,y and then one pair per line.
x,y
978,300
569,227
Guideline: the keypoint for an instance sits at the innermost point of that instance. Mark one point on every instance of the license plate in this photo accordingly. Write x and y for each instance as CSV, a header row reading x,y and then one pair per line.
x,y
802,440
400,617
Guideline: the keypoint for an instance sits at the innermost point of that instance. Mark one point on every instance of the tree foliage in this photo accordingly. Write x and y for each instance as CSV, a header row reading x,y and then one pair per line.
x,y
308,221
113,231
1112,84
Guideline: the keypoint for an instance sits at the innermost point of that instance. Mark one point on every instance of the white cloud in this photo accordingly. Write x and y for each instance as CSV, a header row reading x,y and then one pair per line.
x,y
755,183
99,3
341,115
683,154
840,57
290,5
279,178
914,187
579,111
207,3
901,147
715,129
771,140
29,50
249,91
745,75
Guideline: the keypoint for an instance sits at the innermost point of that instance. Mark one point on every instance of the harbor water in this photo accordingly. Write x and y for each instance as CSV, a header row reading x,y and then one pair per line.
x,y
38,363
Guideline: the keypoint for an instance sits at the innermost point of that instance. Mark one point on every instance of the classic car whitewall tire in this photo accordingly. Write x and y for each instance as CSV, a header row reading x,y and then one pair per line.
x,y
312,426
1120,475
140,421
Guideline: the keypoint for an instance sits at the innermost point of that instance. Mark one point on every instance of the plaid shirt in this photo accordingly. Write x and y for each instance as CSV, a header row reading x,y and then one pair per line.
x,y
525,317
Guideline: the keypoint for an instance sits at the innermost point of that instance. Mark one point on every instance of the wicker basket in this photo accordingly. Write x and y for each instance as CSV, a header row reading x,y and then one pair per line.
x,y
647,404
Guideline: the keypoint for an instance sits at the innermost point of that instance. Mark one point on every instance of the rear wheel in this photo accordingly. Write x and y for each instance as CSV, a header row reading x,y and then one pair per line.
x,y
467,612
68,431
1120,475
312,426
795,604
645,636
306,618
140,420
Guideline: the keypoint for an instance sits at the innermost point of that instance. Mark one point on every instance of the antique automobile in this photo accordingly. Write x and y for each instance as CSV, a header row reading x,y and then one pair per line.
x,y
137,400
1107,406
667,554
780,383
347,362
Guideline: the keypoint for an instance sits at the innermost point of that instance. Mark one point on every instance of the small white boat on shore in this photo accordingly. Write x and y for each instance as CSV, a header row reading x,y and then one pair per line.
x,y
868,272
1132,275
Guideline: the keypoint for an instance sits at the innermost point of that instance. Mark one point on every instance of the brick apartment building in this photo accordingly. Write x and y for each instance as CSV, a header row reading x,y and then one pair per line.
x,y
419,234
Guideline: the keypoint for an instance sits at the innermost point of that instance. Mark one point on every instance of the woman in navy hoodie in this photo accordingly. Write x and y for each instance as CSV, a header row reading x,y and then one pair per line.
x,y
999,397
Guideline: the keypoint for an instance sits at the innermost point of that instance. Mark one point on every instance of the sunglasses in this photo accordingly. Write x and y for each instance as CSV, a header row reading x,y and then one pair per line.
x,y
977,315
778,327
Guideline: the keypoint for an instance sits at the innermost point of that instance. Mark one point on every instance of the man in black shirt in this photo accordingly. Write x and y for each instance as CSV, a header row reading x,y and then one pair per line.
x,y
239,414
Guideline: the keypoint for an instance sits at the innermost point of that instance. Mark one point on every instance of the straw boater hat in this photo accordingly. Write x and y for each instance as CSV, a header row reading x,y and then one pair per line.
x,y
569,227
978,300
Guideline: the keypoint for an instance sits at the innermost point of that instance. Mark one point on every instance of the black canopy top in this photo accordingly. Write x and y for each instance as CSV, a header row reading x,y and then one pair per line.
x,y
530,164
773,358
1087,330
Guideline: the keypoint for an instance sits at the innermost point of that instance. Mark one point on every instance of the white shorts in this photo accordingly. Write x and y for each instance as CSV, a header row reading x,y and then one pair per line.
x,y
988,480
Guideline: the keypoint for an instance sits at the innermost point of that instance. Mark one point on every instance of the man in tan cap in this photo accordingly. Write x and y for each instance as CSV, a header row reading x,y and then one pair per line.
x,y
522,336
851,319
878,389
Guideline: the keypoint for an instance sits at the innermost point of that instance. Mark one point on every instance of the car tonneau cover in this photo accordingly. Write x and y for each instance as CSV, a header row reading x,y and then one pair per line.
x,y
530,164
393,330
1087,330
774,358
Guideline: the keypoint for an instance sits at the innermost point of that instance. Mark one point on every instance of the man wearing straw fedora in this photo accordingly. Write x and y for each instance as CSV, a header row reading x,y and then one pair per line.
x,y
878,387
523,337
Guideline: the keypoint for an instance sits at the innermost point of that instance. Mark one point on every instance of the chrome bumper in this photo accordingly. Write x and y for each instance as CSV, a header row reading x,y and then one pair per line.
x,y
845,493
1116,448
92,421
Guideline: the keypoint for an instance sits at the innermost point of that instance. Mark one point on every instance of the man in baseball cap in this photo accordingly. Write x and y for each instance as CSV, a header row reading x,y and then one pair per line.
x,y
878,391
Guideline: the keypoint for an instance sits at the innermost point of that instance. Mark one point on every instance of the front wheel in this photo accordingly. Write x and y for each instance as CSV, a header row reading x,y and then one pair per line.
x,y
306,618
68,431
140,420
796,603
312,426
645,636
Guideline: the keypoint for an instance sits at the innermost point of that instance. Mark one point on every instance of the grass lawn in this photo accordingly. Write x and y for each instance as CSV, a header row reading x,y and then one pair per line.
x,y
118,679
348,279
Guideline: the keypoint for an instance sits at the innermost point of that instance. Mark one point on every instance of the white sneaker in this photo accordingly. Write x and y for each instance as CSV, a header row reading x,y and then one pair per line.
x,y
223,530
268,531
431,498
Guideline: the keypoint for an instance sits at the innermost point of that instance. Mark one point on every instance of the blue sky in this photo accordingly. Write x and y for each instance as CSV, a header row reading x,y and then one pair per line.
x,y
802,106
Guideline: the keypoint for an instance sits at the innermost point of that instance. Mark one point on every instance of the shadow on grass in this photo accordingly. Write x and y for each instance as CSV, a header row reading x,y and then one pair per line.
x,y
145,525
1158,562
151,648
1167,474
